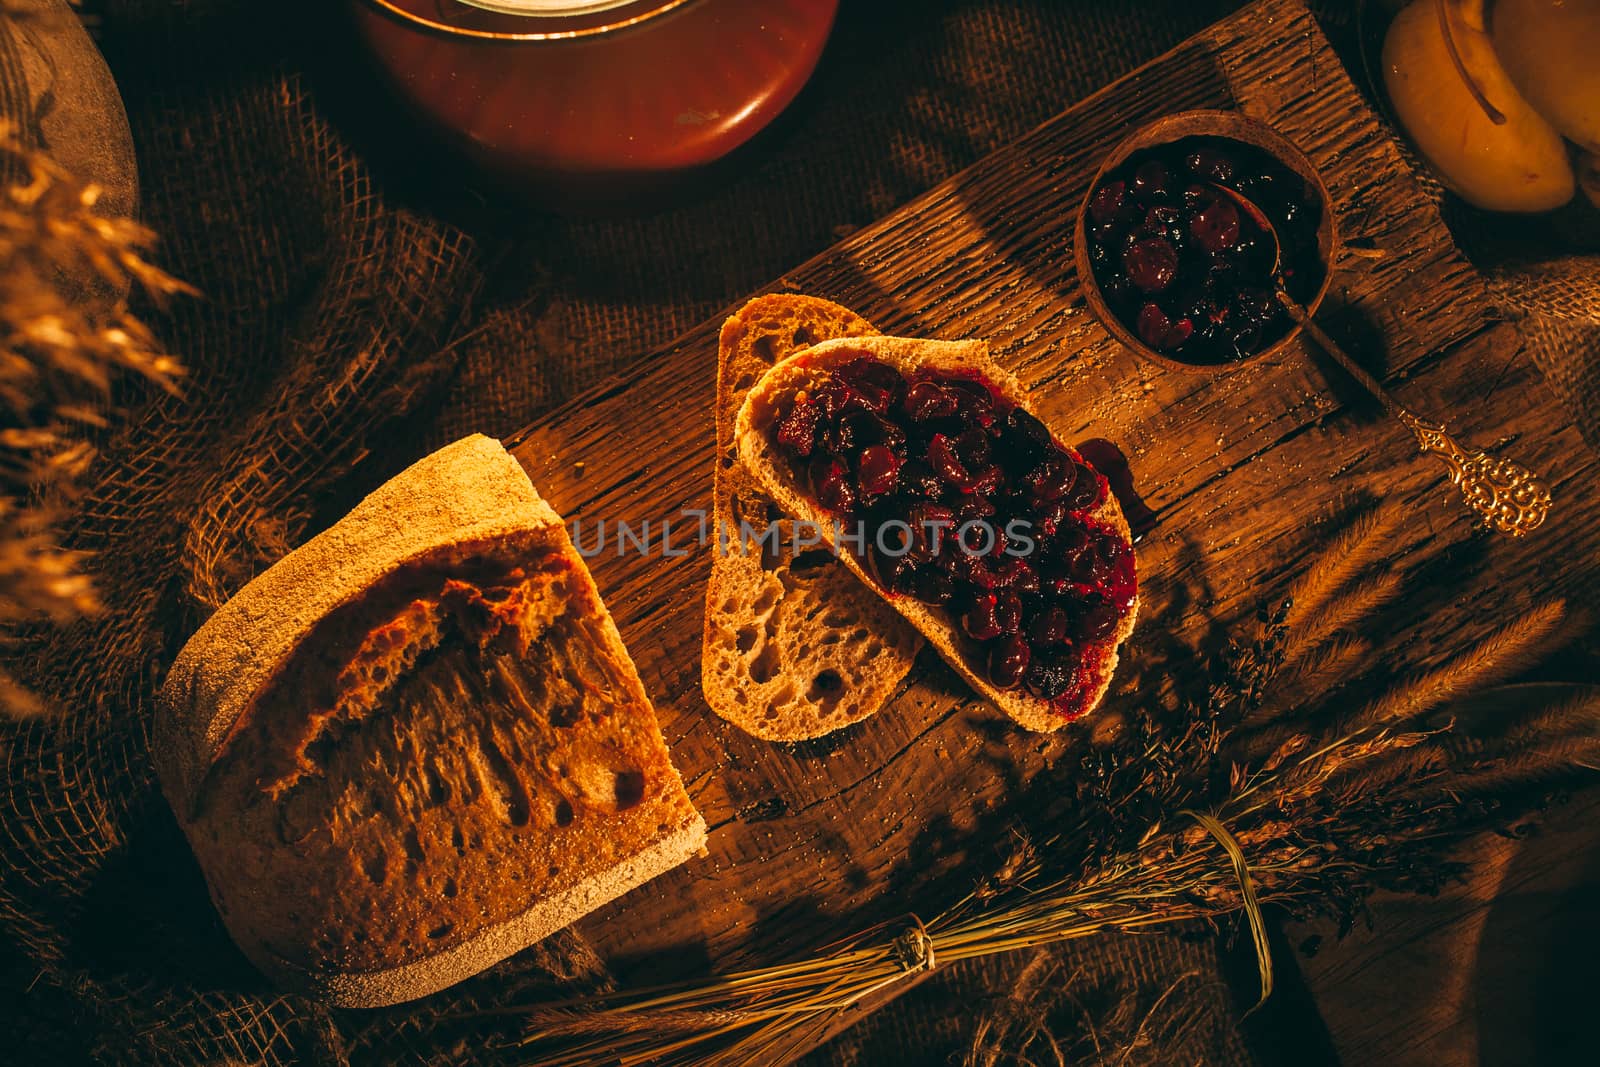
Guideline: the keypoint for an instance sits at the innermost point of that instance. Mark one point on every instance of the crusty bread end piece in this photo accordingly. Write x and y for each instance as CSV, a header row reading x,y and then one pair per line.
x,y
470,491
417,744
793,648
758,452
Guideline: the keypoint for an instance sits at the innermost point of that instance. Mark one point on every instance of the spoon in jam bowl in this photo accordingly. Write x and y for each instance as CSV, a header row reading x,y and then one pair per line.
x,y
1506,495
1207,241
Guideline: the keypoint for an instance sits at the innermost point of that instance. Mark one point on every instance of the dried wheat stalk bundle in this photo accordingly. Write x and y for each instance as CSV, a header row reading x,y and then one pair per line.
x,y
1266,791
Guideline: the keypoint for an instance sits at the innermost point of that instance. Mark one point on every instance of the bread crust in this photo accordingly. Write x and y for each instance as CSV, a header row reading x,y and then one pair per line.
x,y
761,620
469,491
908,355
472,492
395,985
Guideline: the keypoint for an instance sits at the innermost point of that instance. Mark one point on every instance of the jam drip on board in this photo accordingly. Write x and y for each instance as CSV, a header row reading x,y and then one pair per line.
x,y
1108,459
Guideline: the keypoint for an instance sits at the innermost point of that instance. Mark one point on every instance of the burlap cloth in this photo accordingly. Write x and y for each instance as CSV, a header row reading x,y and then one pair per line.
x,y
353,320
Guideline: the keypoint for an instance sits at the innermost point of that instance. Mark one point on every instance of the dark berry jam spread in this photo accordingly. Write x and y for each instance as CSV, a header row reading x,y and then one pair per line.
x,y
954,496
1183,267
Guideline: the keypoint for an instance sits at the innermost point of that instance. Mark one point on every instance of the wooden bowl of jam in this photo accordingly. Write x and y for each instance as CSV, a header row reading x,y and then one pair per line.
x,y
1175,269
595,103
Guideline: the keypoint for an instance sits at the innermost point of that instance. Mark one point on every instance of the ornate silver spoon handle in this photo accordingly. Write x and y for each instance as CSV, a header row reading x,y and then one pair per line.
x,y
1507,496
1510,497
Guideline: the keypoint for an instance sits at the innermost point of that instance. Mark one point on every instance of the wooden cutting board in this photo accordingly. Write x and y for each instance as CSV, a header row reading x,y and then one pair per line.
x,y
1247,472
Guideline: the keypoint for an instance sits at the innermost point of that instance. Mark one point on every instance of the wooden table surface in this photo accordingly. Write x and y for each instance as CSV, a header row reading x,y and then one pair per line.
x,y
1246,472
1497,971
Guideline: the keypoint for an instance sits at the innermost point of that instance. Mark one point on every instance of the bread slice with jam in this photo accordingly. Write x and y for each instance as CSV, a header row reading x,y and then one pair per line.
x,y
947,497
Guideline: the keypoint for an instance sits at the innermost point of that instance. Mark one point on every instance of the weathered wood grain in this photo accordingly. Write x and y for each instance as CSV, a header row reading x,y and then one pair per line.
x,y
1495,970
1245,471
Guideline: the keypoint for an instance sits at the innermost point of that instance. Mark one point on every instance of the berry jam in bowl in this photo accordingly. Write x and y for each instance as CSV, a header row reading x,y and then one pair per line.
x,y
1173,261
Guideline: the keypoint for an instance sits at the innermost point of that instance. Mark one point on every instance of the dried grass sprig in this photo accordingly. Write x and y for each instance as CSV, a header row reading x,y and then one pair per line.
x,y
66,336
1404,768
1346,610
1491,660
1047,1019
1534,767
1314,674
745,1013
1576,715
1362,544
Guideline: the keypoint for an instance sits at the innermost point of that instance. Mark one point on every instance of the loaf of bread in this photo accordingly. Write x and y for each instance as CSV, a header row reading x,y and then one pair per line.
x,y
794,646
790,483
416,744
